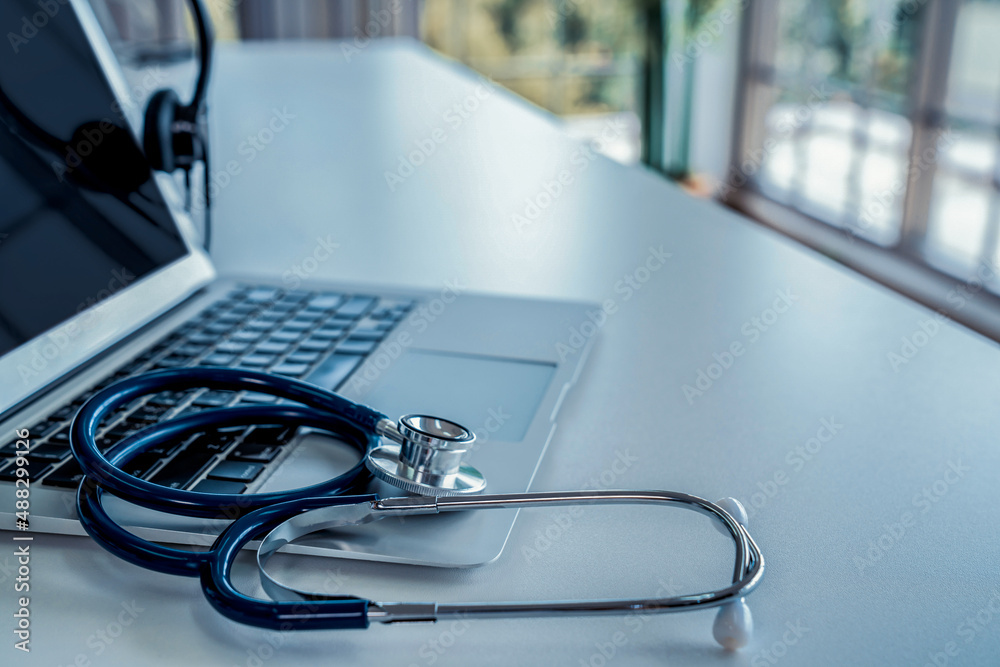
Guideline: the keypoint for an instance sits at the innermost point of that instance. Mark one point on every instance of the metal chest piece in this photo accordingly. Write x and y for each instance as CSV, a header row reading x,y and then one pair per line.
x,y
425,457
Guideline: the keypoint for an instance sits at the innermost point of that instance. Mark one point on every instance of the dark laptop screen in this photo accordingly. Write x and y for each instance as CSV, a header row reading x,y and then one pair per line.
x,y
80,214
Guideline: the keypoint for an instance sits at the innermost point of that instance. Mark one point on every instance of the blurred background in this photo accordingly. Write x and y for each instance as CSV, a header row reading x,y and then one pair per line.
x,y
869,130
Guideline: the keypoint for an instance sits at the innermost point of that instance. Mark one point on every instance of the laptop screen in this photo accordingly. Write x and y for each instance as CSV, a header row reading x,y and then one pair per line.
x,y
80,214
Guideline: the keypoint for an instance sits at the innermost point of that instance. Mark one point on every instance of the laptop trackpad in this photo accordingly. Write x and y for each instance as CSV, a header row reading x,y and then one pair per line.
x,y
485,394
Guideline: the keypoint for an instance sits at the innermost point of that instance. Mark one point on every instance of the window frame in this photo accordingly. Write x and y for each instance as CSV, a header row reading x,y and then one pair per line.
x,y
908,266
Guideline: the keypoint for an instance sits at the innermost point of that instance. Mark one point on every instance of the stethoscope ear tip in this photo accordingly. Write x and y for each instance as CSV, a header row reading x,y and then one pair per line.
x,y
733,625
735,509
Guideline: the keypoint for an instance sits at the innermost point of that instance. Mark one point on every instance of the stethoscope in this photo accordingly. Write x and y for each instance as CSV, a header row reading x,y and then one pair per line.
x,y
423,455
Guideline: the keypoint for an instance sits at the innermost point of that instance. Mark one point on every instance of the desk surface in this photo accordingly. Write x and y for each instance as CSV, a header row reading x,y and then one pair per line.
x,y
869,476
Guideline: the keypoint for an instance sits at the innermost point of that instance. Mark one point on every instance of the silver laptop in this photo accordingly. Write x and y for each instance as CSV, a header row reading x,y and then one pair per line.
x,y
101,277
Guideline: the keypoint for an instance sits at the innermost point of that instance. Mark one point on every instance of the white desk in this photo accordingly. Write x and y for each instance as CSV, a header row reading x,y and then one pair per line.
x,y
628,423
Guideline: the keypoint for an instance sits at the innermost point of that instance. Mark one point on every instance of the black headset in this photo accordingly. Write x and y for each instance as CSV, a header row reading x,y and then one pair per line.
x,y
175,135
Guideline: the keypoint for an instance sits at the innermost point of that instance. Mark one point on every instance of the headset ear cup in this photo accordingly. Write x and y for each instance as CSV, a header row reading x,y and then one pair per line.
x,y
158,135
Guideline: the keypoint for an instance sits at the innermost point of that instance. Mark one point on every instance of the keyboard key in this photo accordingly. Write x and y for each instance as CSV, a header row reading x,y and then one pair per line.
x,y
171,361
355,307
233,347
269,435
167,398
215,399
303,357
311,345
141,464
166,449
295,326
236,471
216,442
150,412
232,317
327,334
308,316
284,336
258,398
43,429
262,294
183,468
324,302
65,412
190,349
60,437
356,347
374,336
36,468
190,410
291,370
51,452
219,486
259,325
66,476
244,336
218,359
257,360
334,370
216,329
272,347
11,449
204,337
255,452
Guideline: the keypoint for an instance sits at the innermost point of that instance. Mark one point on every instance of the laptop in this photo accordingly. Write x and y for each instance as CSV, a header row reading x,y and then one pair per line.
x,y
102,277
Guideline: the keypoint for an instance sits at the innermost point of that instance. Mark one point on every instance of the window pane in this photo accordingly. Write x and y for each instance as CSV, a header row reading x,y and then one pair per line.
x,y
581,60
974,81
959,213
837,135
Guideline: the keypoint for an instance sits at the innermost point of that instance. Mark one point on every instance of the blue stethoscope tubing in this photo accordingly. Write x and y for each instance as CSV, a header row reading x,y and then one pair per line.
x,y
351,422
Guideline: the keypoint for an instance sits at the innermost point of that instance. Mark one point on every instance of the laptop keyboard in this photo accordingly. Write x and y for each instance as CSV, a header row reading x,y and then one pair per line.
x,y
296,333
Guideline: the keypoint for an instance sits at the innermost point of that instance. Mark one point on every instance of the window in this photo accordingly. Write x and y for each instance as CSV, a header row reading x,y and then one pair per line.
x,y
881,119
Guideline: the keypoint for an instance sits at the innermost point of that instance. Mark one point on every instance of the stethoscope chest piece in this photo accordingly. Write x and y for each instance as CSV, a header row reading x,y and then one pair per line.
x,y
425,457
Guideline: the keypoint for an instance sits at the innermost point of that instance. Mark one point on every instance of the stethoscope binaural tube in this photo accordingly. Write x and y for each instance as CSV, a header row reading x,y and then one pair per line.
x,y
297,609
